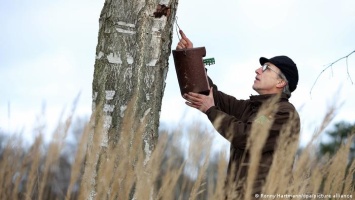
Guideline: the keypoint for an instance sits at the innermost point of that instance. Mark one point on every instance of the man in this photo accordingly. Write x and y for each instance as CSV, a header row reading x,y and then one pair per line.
x,y
276,76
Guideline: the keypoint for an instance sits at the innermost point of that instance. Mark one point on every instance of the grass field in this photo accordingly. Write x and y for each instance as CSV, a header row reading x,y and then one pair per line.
x,y
39,173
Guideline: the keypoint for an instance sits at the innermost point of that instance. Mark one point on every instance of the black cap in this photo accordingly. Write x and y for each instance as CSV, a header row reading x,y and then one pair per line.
x,y
287,67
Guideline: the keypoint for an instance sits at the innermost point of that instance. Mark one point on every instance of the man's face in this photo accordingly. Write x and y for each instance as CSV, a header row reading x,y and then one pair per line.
x,y
267,80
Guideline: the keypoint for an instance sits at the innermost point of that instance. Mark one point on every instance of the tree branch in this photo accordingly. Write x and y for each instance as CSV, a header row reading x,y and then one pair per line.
x,y
331,65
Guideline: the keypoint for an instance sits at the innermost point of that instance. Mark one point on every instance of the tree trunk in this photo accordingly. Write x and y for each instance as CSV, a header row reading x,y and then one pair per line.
x,y
129,80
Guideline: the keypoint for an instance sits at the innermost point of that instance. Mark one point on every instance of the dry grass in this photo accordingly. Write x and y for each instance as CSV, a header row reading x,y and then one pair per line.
x,y
122,172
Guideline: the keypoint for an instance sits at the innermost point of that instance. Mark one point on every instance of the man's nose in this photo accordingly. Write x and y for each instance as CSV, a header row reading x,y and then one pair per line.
x,y
258,70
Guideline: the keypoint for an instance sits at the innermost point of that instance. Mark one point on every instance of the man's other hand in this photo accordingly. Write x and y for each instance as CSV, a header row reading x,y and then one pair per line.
x,y
184,42
199,101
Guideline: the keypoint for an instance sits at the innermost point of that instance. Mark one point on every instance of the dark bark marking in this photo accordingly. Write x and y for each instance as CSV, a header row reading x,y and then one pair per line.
x,y
162,10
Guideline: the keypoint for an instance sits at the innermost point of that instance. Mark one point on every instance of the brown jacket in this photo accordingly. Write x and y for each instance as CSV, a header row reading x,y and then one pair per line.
x,y
235,118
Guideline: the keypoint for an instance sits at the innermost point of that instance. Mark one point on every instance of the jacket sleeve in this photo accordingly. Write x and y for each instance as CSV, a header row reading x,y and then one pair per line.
x,y
226,103
230,127
224,116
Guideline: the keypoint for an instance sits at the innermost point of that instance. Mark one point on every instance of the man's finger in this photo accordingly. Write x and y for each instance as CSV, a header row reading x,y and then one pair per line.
x,y
183,41
193,94
191,99
182,44
183,36
194,105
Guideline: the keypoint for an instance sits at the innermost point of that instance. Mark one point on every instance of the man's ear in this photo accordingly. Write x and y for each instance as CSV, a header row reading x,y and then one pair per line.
x,y
281,83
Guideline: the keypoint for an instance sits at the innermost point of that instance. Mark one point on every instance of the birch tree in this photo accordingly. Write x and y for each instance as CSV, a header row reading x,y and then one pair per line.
x,y
134,44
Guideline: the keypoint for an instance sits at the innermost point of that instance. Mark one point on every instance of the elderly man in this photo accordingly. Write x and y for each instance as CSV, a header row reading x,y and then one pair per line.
x,y
276,76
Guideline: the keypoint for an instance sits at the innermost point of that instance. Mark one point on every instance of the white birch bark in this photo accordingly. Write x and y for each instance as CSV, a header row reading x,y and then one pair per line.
x,y
129,79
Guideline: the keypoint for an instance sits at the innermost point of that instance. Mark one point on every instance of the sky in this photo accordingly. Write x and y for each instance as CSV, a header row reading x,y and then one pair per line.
x,y
47,56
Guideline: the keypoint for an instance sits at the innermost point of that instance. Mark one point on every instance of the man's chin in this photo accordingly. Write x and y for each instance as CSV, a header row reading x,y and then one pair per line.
x,y
255,89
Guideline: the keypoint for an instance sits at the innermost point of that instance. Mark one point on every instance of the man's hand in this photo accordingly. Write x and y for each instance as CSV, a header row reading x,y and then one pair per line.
x,y
200,101
184,42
